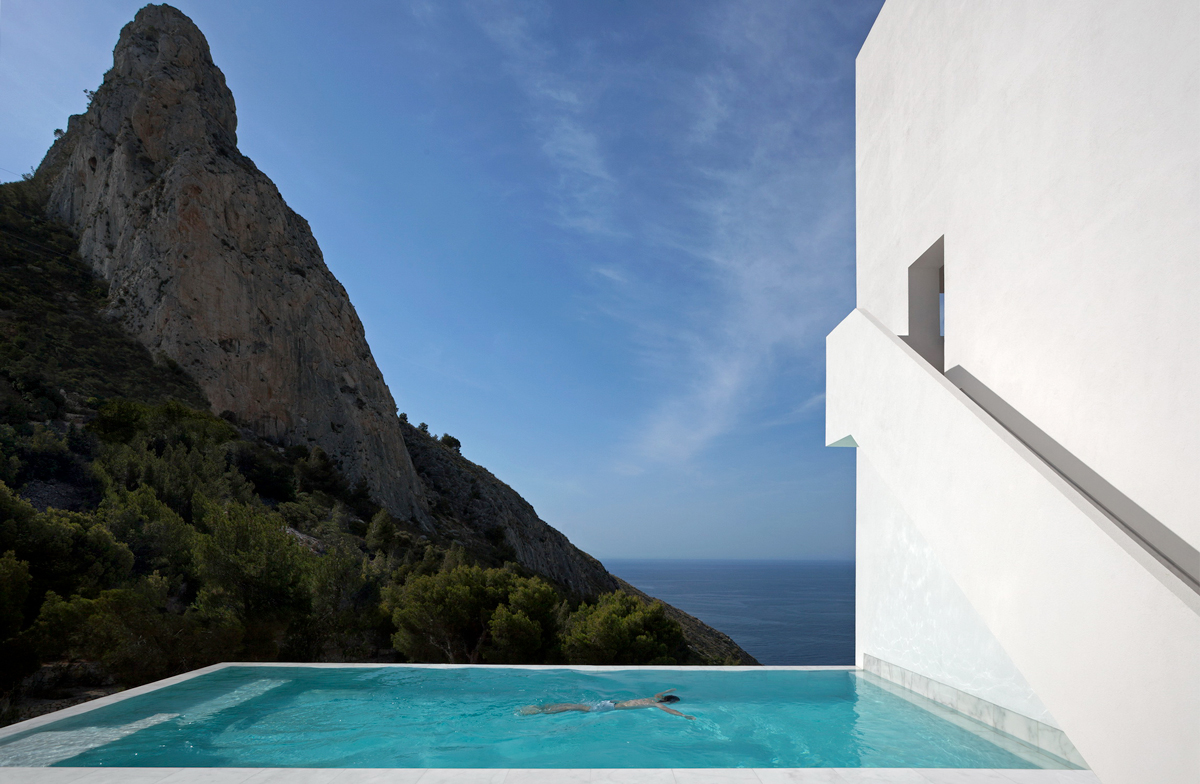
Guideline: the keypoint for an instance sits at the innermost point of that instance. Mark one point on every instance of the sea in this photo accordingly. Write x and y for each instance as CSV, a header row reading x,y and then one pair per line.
x,y
781,612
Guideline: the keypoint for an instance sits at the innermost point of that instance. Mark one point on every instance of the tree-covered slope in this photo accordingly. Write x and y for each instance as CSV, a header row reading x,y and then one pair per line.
x,y
142,536
54,331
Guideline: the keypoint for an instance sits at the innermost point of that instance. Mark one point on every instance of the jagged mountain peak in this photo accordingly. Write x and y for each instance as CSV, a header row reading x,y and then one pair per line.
x,y
165,57
209,266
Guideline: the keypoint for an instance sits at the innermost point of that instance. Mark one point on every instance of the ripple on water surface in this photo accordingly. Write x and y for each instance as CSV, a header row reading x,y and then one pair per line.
x,y
470,717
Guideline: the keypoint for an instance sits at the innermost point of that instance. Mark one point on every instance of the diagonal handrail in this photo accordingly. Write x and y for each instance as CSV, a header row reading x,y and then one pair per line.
x,y
1167,547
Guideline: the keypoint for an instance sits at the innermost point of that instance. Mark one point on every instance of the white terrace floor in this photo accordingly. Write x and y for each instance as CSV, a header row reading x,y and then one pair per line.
x,y
582,776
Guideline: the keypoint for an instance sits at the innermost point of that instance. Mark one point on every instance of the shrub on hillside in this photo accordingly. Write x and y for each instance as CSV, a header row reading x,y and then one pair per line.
x,y
468,614
622,629
248,564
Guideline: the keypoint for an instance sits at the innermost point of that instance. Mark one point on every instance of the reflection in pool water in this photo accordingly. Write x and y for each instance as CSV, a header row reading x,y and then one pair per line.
x,y
470,717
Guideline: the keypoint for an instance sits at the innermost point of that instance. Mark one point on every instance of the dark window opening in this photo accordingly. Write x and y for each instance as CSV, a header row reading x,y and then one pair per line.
x,y
926,305
942,300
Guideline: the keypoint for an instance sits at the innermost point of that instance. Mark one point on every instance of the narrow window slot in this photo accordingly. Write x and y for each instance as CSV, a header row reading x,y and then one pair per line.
x,y
942,302
926,305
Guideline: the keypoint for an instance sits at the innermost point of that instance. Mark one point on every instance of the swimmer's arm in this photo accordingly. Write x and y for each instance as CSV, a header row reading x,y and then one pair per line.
x,y
674,712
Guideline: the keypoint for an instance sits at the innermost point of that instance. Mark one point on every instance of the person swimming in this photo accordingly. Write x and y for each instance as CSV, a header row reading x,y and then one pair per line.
x,y
660,701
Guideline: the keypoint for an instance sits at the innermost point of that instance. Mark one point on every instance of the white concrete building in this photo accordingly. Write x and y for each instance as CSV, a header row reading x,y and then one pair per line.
x,y
1029,483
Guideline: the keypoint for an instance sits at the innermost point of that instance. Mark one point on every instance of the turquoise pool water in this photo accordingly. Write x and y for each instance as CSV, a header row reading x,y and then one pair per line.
x,y
470,718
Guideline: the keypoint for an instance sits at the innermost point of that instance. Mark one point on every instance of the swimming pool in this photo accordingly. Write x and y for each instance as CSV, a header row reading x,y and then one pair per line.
x,y
397,716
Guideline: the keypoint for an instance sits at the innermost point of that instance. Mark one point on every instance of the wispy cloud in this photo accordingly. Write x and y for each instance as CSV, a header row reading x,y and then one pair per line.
x,y
586,190
712,93
738,197
611,273
778,220
776,272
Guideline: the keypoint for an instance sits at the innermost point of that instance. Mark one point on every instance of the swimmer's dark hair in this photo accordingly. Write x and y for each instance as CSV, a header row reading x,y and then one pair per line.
x,y
669,698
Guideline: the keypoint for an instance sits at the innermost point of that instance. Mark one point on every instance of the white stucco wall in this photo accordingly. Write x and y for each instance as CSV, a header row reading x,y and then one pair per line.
x,y
1055,146
914,615
1104,634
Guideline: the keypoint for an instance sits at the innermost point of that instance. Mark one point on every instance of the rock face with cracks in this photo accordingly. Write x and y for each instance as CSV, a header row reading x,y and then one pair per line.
x,y
475,508
208,266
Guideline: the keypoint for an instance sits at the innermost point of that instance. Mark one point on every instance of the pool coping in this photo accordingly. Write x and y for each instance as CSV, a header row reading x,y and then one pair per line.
x,y
198,775
1041,736
548,776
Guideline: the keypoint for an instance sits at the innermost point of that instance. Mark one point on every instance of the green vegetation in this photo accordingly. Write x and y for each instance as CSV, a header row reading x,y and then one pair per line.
x,y
167,540
473,615
184,562
54,335
621,629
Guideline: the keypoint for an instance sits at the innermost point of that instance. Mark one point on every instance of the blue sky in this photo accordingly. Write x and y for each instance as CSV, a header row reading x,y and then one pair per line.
x,y
600,243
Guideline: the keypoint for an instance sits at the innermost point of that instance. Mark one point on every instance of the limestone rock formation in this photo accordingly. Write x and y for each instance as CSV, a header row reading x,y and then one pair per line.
x,y
477,509
208,265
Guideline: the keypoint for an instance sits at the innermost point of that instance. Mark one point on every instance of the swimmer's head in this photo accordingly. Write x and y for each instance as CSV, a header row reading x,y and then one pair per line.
x,y
669,698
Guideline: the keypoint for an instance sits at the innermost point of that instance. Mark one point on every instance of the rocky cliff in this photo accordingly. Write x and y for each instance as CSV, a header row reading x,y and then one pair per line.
x,y
207,264
475,508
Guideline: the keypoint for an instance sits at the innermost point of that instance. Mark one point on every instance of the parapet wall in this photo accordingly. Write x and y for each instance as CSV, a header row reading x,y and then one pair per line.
x,y
1104,634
